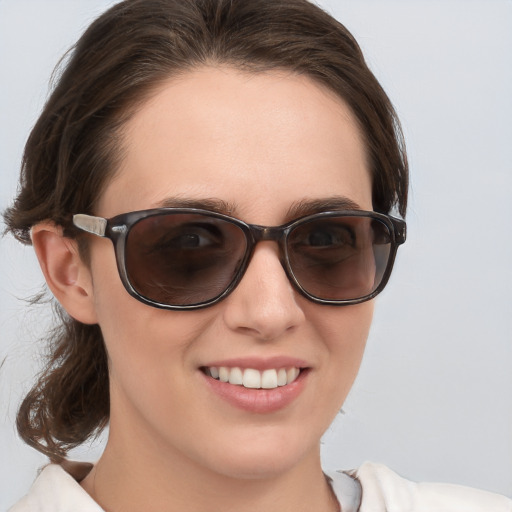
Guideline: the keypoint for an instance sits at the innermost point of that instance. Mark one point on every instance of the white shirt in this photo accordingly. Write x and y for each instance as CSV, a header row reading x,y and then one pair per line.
x,y
371,488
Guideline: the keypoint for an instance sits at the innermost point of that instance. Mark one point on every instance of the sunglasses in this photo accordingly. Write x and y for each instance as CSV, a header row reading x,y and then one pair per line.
x,y
188,258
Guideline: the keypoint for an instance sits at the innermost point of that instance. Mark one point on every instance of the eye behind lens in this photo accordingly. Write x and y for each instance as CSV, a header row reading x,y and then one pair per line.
x,y
340,258
183,259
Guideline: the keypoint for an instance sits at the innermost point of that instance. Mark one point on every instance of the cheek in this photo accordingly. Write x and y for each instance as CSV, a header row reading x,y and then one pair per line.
x,y
149,353
345,331
346,328
137,336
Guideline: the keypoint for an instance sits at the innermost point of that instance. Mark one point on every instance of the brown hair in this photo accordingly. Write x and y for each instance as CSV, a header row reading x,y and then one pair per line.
x,y
74,149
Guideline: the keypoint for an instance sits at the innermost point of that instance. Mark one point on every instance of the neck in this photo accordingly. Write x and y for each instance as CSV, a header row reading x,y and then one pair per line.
x,y
128,479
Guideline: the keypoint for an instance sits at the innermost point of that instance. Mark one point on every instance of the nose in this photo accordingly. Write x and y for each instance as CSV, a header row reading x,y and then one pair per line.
x,y
264,304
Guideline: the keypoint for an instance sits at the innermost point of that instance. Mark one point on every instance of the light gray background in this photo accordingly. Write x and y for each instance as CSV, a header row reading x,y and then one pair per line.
x,y
434,396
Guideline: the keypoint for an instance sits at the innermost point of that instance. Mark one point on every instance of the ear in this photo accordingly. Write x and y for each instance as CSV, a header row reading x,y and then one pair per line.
x,y
67,276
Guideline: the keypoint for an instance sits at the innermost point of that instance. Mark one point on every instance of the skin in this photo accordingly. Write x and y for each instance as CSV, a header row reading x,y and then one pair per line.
x,y
261,143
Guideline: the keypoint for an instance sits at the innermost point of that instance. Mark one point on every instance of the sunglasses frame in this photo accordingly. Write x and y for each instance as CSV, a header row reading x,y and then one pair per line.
x,y
117,228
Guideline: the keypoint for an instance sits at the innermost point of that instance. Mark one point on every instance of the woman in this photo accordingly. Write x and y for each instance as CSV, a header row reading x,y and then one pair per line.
x,y
243,161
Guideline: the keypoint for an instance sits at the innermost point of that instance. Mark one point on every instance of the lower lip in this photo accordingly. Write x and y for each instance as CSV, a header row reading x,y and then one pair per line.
x,y
260,401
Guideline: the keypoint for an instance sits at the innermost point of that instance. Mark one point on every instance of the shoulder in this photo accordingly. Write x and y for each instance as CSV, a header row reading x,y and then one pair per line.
x,y
383,490
56,490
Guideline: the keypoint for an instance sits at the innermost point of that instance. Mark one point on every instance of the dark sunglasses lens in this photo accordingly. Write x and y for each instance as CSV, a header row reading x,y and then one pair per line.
x,y
183,259
340,258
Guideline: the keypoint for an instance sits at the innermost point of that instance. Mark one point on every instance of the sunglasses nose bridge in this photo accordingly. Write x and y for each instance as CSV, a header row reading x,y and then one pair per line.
x,y
257,233
269,234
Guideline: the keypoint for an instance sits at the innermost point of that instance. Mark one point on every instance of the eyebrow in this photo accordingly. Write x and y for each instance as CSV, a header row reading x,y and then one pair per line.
x,y
298,209
209,203
310,206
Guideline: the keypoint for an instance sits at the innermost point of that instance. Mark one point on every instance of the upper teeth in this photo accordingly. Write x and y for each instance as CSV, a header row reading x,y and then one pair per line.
x,y
251,378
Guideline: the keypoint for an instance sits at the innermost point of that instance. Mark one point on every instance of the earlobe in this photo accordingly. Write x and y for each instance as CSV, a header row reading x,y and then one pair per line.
x,y
67,276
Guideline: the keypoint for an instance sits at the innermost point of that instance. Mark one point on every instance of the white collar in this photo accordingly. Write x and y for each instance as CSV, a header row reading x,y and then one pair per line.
x,y
347,490
57,488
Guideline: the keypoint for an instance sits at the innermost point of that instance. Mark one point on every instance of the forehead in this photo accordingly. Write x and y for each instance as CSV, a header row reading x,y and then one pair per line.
x,y
258,141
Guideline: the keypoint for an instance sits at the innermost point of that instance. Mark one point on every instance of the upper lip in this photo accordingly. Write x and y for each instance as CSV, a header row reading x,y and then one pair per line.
x,y
259,363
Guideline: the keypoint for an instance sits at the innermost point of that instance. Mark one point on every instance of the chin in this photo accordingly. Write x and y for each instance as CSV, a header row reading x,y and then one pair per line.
x,y
263,458
257,469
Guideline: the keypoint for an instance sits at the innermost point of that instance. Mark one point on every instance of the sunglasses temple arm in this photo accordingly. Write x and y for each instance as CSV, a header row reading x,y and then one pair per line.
x,y
90,224
400,230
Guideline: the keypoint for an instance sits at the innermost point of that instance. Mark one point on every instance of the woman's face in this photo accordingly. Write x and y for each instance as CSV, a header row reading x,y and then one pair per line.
x,y
263,145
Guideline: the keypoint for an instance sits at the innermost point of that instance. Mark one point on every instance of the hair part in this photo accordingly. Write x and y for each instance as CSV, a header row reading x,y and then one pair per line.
x,y
76,146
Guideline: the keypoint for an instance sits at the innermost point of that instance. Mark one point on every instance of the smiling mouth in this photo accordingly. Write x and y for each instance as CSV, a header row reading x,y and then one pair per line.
x,y
253,379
